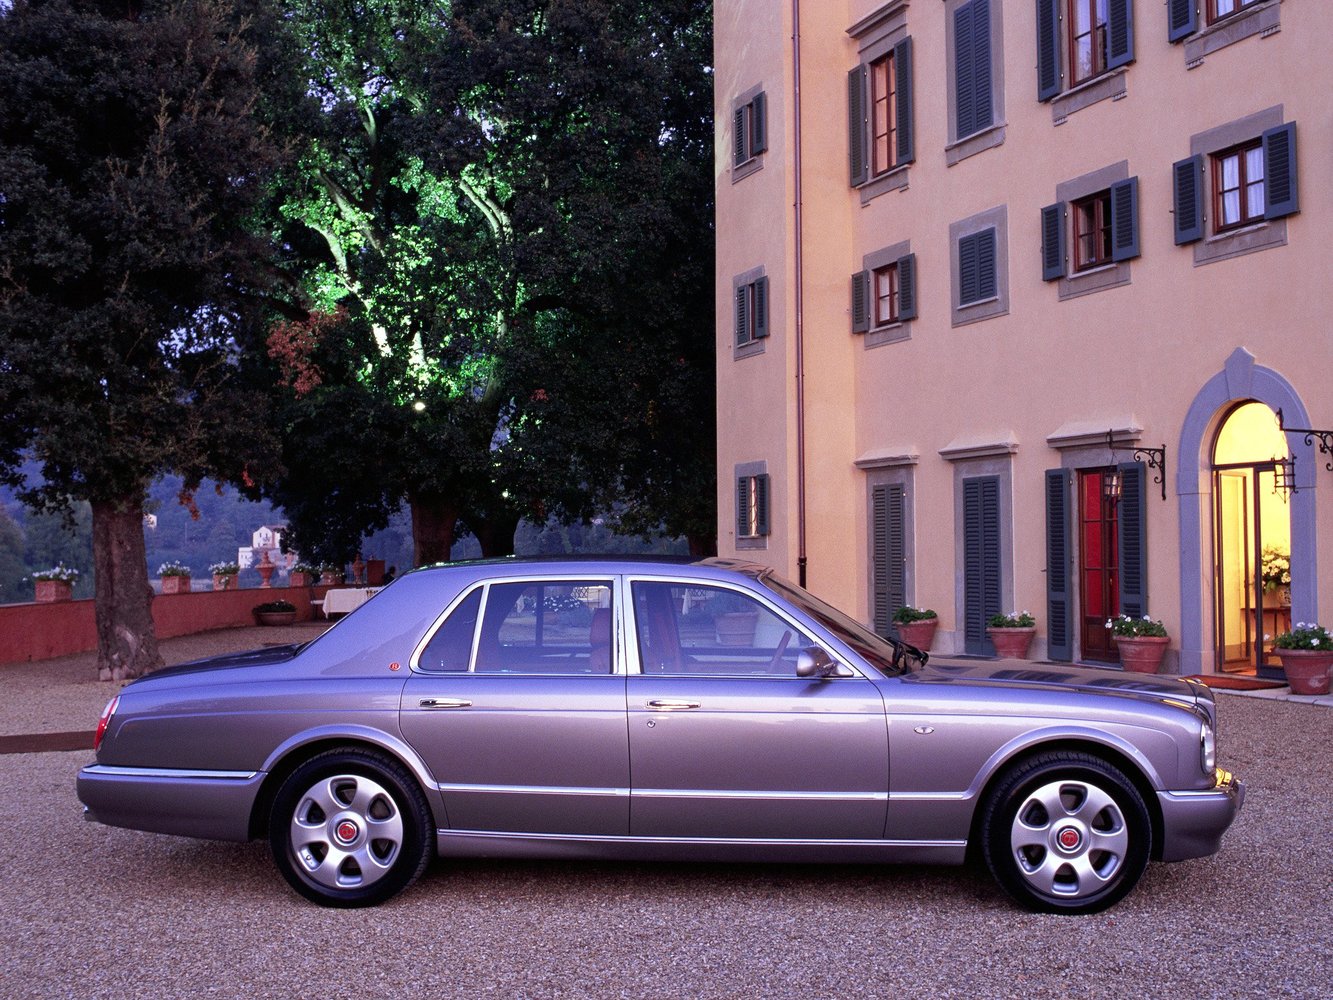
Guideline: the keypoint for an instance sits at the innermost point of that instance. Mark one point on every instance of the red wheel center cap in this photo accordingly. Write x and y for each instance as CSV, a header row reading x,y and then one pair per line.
x,y
1069,838
346,831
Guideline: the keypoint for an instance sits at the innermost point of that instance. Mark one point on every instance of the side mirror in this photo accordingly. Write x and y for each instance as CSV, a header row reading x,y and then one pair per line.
x,y
815,662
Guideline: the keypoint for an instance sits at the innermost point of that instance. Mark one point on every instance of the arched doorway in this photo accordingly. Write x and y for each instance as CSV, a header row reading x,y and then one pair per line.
x,y
1252,540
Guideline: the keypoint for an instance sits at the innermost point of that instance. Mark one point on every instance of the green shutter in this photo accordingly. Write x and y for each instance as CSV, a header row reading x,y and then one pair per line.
x,y
857,158
1119,33
1187,179
1048,49
972,67
761,308
1059,605
1280,171
758,125
888,555
907,287
860,302
1053,241
987,276
738,154
1182,19
761,494
742,315
902,68
743,507
1132,528
967,270
1125,219
981,561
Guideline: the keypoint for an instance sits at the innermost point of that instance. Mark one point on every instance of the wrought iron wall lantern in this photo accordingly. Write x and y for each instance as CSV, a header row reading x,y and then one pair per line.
x,y
1284,476
1325,439
1154,458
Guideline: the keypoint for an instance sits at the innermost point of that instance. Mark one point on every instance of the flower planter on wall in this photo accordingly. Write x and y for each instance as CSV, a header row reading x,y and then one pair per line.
x,y
300,580
175,585
1142,654
224,581
1307,669
1011,643
920,633
50,591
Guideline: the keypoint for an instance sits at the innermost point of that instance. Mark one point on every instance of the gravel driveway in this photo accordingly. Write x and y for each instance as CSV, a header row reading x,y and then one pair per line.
x,y
92,911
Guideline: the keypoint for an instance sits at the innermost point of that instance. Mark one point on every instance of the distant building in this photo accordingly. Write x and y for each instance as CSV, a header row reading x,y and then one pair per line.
x,y
266,539
1009,299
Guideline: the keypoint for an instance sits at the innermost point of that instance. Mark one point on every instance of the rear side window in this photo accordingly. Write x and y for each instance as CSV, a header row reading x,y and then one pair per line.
x,y
558,627
450,648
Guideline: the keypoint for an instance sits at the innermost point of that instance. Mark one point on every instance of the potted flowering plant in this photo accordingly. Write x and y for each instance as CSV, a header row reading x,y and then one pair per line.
x,y
175,577
1012,634
54,584
275,613
302,575
916,626
1306,653
1142,642
224,575
330,574
1275,571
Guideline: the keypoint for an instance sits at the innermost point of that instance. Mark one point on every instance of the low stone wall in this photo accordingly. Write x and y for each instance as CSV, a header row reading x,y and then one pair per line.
x,y
41,631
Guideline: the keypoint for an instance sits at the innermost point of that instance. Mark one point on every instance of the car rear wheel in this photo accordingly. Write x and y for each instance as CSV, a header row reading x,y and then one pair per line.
x,y
1066,833
350,828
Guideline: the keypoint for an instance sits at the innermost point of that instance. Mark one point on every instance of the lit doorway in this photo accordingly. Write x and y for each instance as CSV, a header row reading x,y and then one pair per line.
x,y
1099,582
1252,541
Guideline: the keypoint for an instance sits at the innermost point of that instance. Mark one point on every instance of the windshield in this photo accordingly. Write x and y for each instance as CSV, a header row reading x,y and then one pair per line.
x,y
879,652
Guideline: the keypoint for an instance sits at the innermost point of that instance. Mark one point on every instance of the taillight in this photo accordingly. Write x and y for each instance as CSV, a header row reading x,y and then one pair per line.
x,y
105,720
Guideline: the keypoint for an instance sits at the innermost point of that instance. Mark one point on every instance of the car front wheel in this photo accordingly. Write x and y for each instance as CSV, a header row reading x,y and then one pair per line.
x,y
1066,833
350,828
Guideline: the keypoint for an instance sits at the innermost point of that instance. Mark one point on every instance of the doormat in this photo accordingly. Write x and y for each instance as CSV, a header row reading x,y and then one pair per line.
x,y
47,742
1225,682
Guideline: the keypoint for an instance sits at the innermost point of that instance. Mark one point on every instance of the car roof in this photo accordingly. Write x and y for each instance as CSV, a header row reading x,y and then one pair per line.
x,y
590,563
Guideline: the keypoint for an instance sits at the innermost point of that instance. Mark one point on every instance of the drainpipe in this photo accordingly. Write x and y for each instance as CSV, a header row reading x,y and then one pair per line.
x,y
800,293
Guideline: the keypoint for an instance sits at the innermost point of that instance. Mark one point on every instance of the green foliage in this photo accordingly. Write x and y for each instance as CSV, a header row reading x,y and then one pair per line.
x,y
1124,625
1306,636
274,607
907,615
1014,619
173,569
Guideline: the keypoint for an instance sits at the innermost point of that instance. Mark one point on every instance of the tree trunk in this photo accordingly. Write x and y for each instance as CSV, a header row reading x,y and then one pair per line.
x,y
702,547
126,641
434,524
496,534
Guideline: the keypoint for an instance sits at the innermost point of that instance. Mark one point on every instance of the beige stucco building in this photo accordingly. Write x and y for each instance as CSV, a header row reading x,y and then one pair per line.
x,y
975,255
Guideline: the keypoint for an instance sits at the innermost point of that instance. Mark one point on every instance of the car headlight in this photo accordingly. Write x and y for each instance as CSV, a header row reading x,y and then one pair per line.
x,y
1208,748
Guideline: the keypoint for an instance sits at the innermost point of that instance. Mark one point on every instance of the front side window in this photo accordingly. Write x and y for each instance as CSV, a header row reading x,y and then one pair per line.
x,y
884,114
1238,186
689,630
546,627
1092,231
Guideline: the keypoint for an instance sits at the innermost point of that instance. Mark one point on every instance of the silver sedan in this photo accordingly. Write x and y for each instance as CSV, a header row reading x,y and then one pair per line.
x,y
657,710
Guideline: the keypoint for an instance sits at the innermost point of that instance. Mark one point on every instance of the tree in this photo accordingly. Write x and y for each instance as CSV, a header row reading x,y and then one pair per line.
x,y
133,159
492,189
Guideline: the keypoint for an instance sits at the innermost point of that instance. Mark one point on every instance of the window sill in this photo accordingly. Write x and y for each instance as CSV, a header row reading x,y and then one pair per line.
x,y
977,142
743,170
751,542
889,333
1262,19
1239,242
979,311
1093,280
890,180
1111,84
743,351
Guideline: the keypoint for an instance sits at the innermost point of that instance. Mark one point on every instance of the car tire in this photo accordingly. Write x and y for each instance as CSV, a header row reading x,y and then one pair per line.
x,y
1066,833
350,828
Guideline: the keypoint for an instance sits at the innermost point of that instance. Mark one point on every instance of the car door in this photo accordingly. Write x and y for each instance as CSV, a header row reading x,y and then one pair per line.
x,y
517,705
727,742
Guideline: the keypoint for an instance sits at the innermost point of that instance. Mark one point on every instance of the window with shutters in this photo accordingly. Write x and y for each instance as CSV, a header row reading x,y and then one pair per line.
x,y
979,266
1078,42
752,506
1219,9
1233,194
879,103
1205,26
749,133
1091,232
888,553
974,40
750,313
884,295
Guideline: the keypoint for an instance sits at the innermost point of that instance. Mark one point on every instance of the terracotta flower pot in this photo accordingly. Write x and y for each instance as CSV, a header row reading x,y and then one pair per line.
x,y
275,617
300,580
175,585
50,591
919,633
1307,669
1142,653
224,581
1011,643
330,578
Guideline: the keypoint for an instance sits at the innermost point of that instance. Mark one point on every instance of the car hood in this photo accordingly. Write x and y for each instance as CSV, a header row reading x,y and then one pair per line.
x,y
1055,676
267,656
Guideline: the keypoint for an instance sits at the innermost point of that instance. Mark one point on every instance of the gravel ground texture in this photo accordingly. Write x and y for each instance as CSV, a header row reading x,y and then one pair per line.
x,y
92,911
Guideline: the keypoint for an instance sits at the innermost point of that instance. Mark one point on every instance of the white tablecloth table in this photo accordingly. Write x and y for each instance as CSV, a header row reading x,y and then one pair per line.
x,y
341,600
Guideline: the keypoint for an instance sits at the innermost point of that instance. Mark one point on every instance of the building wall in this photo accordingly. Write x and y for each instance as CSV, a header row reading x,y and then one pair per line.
x,y
1037,385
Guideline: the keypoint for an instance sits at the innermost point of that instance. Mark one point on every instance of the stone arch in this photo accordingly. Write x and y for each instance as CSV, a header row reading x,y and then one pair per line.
x,y
1240,380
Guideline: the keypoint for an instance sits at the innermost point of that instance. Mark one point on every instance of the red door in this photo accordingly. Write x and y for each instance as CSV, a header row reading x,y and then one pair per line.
x,y
1099,591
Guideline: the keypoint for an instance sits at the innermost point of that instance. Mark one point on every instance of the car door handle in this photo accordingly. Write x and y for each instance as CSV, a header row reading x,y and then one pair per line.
x,y
671,705
445,703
